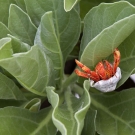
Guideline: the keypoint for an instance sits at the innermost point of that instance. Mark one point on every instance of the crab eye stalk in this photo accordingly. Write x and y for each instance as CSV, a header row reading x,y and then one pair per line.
x,y
105,77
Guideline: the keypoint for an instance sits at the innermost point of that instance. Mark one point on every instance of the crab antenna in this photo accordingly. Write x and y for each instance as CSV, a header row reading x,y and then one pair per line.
x,y
83,67
116,60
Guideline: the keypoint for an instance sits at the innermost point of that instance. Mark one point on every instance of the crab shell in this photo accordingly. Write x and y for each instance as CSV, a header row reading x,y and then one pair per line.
x,y
107,85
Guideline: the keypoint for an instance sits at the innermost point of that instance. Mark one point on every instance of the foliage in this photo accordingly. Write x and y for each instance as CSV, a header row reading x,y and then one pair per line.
x,y
37,38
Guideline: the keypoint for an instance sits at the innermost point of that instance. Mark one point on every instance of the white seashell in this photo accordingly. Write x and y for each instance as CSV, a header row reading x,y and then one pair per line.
x,y
107,85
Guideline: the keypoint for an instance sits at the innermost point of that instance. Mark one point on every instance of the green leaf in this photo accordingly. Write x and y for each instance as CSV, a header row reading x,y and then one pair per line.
x,y
69,116
33,105
89,123
46,37
20,25
32,69
9,90
102,46
102,37
24,122
115,112
4,10
66,24
69,4
4,30
101,43
131,1
5,48
18,46
21,4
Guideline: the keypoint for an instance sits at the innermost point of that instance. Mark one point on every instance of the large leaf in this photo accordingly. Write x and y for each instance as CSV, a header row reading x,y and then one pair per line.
x,y
102,37
20,25
33,105
5,48
69,116
93,27
89,123
69,4
115,112
21,4
20,121
9,90
4,10
66,24
47,39
4,30
18,46
32,69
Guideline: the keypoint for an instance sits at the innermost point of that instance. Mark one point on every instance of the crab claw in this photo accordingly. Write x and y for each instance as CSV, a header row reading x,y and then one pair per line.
x,y
116,54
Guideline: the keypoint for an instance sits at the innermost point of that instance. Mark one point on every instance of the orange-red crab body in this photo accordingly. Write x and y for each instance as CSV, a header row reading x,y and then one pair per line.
x,y
105,76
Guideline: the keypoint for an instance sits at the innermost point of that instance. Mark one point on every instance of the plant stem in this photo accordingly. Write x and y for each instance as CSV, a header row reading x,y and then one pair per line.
x,y
71,79
77,89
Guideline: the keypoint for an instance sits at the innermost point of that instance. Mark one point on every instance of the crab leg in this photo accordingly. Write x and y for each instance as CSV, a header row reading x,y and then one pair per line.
x,y
116,60
83,67
88,73
82,74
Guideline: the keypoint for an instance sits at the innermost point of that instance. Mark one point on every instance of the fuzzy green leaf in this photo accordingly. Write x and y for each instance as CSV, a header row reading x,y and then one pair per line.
x,y
4,10
9,90
21,4
20,121
66,24
69,4
18,46
102,37
89,123
20,25
47,39
115,112
5,48
4,30
33,105
69,116
32,69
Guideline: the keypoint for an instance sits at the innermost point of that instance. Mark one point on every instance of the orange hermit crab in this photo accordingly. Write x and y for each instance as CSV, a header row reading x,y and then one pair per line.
x,y
105,76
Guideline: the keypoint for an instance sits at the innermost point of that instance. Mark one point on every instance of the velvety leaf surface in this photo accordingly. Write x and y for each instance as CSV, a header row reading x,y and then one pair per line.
x,y
33,105
115,112
66,24
21,4
5,48
9,90
20,25
4,30
69,4
18,121
102,37
18,46
69,116
47,39
32,69
89,123
4,10
102,17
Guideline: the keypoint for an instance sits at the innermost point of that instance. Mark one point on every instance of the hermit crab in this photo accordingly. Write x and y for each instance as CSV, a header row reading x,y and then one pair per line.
x,y
106,75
